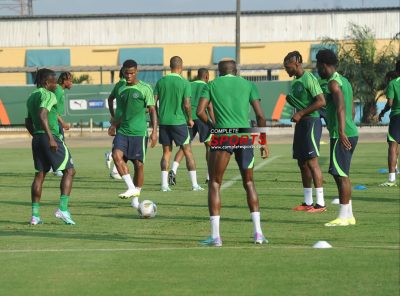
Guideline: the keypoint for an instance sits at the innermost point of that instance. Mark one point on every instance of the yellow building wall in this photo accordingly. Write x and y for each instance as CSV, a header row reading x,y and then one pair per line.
x,y
192,55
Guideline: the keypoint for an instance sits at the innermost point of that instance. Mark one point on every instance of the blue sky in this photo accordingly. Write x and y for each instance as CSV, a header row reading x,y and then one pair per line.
x,y
42,7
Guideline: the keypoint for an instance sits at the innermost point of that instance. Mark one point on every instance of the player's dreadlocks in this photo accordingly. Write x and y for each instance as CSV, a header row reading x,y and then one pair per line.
x,y
293,55
42,75
327,56
64,76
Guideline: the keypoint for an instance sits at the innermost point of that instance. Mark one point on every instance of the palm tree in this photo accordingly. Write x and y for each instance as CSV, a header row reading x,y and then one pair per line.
x,y
365,66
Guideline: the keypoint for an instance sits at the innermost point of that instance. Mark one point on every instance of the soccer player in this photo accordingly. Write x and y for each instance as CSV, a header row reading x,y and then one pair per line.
x,y
48,148
130,142
64,82
393,136
307,98
199,127
173,93
114,117
342,131
231,96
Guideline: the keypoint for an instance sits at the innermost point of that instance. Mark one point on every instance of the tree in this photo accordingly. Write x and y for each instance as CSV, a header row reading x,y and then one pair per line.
x,y
365,66
82,79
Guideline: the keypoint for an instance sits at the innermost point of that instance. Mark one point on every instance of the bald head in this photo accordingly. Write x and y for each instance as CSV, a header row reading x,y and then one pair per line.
x,y
227,67
176,63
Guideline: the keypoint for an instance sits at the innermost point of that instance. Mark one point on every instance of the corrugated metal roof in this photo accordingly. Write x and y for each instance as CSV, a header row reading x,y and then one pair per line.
x,y
217,13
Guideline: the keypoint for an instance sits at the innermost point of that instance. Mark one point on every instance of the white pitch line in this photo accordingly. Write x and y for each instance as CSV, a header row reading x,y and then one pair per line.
x,y
239,177
266,247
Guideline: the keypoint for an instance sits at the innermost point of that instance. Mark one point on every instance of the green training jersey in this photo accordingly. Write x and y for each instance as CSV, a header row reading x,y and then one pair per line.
x,y
60,96
134,100
331,110
115,94
393,93
43,98
304,90
231,96
197,89
172,90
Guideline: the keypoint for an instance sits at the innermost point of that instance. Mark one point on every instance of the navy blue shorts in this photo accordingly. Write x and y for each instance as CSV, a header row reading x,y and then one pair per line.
x,y
44,158
244,156
307,135
340,157
394,129
200,128
133,147
174,133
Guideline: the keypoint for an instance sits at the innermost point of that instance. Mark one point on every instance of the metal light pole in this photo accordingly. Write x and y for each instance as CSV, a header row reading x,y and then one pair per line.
x,y
238,35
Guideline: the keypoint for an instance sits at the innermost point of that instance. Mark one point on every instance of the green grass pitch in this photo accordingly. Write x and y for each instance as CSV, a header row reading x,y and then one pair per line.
x,y
112,252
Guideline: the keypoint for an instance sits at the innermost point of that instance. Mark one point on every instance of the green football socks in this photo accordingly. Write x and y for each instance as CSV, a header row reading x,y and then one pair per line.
x,y
64,202
35,209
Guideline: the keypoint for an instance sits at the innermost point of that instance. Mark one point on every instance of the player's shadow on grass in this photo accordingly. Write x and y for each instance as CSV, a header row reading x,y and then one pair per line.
x,y
9,222
171,218
19,175
291,222
379,199
204,206
96,237
16,203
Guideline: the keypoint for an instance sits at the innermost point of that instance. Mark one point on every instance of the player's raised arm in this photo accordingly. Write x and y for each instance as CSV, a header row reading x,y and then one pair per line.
x,y
338,100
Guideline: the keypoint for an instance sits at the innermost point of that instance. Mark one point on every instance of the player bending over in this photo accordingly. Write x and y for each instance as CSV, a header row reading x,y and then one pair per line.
x,y
48,148
307,98
130,142
231,96
393,136
342,131
173,93
199,127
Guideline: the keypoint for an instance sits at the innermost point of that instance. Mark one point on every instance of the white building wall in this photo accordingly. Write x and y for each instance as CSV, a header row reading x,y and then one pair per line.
x,y
119,30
